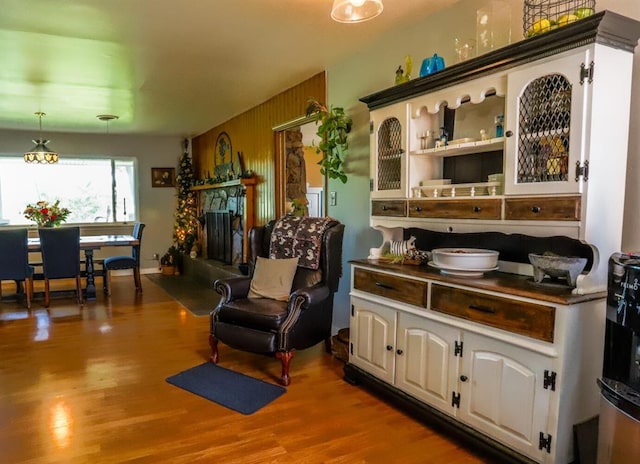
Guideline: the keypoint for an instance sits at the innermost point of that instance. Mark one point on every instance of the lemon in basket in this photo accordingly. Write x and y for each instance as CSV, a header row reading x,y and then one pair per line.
x,y
583,12
567,19
542,25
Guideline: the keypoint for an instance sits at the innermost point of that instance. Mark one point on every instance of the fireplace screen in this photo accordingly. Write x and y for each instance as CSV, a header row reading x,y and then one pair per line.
x,y
219,236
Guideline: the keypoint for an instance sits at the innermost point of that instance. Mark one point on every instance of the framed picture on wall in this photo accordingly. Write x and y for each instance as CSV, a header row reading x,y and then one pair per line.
x,y
163,177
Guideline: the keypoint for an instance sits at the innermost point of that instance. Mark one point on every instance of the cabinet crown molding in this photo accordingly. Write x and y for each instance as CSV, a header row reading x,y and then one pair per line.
x,y
605,27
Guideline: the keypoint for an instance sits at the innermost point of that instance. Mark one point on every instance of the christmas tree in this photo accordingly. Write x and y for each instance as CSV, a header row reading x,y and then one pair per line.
x,y
185,225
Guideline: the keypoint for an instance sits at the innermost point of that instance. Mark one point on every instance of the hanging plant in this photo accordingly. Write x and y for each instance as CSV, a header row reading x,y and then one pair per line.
x,y
332,129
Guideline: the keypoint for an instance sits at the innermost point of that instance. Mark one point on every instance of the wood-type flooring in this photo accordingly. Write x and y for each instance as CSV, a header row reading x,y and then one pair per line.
x,y
87,385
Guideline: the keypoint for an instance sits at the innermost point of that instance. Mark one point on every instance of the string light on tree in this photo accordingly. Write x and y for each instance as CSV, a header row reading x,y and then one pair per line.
x,y
185,225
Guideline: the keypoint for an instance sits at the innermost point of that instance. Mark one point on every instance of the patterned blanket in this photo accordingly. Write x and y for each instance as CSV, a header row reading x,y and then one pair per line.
x,y
299,236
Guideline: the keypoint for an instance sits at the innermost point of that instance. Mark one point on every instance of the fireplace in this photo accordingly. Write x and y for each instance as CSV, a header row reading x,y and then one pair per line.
x,y
227,211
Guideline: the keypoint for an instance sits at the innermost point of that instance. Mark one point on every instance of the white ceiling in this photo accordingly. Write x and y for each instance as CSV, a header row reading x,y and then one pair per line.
x,y
170,67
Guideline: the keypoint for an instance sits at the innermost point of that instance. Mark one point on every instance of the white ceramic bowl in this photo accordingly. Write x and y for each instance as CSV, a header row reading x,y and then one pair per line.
x,y
465,258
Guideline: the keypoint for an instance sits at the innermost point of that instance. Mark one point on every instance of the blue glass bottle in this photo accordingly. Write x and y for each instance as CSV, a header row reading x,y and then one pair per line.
x,y
499,120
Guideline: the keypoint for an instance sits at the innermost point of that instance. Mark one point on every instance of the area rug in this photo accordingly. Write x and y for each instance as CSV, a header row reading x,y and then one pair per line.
x,y
197,297
230,389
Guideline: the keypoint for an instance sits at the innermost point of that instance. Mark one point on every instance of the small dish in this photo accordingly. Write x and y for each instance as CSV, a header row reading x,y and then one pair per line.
x,y
461,272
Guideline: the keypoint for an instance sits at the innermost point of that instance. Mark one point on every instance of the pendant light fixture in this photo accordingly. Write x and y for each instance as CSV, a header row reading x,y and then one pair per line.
x,y
40,153
106,118
355,11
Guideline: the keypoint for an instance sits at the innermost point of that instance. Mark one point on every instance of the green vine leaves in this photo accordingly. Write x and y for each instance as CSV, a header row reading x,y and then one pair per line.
x,y
332,129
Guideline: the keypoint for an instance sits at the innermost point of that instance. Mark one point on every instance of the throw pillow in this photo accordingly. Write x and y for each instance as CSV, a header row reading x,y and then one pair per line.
x,y
272,278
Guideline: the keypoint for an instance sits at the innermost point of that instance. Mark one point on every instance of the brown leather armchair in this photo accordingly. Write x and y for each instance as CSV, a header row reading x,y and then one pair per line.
x,y
268,326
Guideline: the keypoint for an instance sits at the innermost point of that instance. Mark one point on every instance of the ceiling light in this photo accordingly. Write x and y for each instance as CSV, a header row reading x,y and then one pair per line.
x,y
106,118
355,11
40,153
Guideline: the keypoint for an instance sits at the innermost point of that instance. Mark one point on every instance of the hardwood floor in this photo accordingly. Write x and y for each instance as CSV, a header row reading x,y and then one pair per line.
x,y
88,386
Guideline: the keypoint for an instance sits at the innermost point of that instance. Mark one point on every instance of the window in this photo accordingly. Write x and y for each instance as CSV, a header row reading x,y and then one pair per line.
x,y
94,189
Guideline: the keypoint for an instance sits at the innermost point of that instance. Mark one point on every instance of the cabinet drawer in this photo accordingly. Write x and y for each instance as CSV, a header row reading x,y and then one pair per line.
x,y
532,320
396,208
476,208
543,208
397,288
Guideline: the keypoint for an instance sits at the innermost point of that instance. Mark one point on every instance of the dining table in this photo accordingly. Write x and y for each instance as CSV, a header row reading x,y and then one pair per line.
x,y
90,243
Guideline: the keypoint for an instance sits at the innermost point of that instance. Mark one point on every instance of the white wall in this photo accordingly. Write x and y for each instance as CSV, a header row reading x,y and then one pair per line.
x,y
155,205
372,69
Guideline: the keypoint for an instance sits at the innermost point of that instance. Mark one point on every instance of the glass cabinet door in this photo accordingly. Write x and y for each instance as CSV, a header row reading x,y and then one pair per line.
x,y
388,152
544,124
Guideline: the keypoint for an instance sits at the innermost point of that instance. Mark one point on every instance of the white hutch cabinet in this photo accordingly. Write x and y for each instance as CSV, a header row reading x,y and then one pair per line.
x,y
515,365
511,364
559,167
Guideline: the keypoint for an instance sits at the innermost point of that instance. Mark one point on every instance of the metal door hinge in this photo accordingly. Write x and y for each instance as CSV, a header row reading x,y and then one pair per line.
x,y
455,399
586,73
353,313
371,185
457,348
582,170
545,442
549,380
350,348
370,127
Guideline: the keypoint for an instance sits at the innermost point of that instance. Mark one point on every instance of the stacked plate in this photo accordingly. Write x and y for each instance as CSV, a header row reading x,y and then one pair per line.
x,y
467,262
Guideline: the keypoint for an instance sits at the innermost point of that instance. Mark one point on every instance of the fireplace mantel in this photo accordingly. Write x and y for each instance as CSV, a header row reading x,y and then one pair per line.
x,y
230,183
248,209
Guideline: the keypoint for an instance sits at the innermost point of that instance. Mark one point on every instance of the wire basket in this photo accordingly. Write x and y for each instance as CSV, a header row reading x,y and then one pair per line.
x,y
545,15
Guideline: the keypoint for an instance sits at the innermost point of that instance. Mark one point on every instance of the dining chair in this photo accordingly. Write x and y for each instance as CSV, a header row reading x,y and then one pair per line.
x,y
116,263
14,261
60,248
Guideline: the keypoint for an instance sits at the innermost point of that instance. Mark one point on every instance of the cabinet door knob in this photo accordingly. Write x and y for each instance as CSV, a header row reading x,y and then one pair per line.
x,y
418,208
535,209
508,133
464,378
384,207
399,352
477,209
389,348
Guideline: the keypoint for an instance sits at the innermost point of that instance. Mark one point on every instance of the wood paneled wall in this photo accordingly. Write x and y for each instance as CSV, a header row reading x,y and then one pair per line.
x,y
251,133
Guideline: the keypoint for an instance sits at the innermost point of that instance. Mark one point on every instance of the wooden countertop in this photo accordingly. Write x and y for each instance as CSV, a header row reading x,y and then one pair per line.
x,y
502,282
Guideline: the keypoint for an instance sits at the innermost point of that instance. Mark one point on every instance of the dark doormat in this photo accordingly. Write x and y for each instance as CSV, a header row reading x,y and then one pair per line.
x,y
198,298
230,389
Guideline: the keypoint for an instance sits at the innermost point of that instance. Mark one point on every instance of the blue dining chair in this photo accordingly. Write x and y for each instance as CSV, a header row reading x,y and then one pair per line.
x,y
14,261
60,248
116,263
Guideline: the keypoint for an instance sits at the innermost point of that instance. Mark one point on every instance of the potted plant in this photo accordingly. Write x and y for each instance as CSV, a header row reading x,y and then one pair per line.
x,y
332,128
169,261
300,206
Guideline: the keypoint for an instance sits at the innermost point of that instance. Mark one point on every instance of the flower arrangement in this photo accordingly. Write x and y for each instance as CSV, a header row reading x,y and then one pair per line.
x,y
45,214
